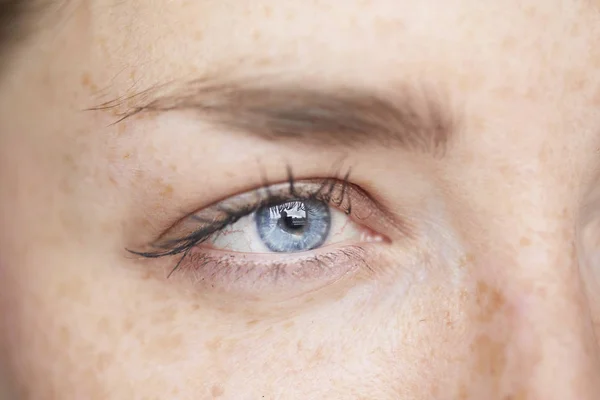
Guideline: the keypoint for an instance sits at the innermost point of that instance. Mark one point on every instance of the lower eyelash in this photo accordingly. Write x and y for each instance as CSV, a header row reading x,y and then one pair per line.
x,y
242,273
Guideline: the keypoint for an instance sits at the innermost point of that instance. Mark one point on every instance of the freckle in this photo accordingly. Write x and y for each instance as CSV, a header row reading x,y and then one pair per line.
x,y
525,242
471,82
217,391
267,332
299,345
317,355
126,156
198,35
103,361
173,167
530,11
435,390
64,336
128,324
214,344
252,322
544,153
170,342
160,297
504,170
146,275
478,123
69,161
289,324
166,315
509,43
490,355
167,191
462,392
504,92
256,35
578,84
388,26
268,11
490,302
263,62
521,394
596,98
448,320
73,290
121,129
541,292
532,93
106,227
463,262
103,325
112,181
86,80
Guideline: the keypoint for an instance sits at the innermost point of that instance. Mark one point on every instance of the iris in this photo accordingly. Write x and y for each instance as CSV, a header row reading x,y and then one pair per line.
x,y
294,226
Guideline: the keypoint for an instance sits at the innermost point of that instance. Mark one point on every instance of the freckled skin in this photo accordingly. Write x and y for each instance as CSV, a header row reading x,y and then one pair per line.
x,y
497,295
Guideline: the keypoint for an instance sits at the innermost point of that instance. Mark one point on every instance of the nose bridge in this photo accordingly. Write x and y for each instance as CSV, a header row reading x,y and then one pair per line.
x,y
549,346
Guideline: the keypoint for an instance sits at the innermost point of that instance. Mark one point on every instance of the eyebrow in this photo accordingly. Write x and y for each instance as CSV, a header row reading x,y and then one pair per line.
x,y
321,115
11,16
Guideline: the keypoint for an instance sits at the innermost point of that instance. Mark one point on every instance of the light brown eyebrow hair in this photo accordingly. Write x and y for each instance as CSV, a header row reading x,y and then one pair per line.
x,y
315,115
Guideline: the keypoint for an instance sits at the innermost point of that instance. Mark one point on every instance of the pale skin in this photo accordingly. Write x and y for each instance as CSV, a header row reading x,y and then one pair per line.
x,y
494,296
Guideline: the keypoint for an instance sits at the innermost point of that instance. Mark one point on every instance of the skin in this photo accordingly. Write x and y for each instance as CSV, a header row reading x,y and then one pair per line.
x,y
495,296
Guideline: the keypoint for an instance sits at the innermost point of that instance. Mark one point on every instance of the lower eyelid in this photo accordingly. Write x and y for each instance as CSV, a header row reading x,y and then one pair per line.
x,y
251,274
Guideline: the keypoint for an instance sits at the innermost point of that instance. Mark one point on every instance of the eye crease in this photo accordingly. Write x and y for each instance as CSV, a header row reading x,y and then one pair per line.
x,y
291,234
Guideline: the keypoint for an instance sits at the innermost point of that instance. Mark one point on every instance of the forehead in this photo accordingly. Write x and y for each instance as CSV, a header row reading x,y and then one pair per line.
x,y
376,40
518,61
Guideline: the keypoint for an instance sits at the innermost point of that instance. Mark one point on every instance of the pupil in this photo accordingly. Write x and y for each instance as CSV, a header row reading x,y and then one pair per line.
x,y
293,220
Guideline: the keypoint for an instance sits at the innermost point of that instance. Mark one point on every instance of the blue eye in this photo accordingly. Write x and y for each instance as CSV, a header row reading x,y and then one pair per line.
x,y
294,226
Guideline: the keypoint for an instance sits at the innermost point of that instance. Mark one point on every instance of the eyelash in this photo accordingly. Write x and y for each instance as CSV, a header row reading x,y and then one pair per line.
x,y
324,192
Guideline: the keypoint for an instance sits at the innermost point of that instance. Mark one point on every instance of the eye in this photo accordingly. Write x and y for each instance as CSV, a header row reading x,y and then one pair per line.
x,y
289,227
289,237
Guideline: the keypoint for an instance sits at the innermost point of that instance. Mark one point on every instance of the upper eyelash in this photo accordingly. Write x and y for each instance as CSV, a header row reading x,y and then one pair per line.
x,y
185,244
